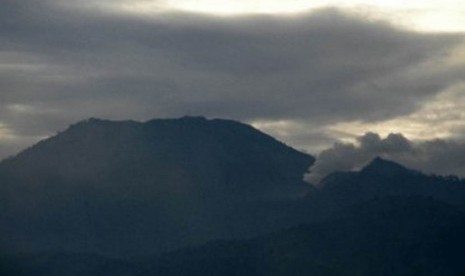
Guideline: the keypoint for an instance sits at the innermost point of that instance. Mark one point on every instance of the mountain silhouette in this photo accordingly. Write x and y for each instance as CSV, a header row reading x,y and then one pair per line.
x,y
385,168
131,188
382,178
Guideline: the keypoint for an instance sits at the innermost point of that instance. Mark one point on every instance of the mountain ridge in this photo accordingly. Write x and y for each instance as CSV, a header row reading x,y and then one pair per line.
x,y
381,177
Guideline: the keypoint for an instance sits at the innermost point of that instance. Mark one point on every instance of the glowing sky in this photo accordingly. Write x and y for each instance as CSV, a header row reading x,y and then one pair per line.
x,y
447,15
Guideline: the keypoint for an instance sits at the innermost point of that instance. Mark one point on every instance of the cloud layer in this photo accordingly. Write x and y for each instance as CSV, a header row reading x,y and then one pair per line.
x,y
431,157
62,61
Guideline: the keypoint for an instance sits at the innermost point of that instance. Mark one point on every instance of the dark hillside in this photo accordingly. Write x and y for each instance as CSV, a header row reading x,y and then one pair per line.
x,y
117,187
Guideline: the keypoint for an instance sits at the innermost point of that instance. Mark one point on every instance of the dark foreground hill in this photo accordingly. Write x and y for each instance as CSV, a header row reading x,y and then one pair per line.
x,y
127,188
384,236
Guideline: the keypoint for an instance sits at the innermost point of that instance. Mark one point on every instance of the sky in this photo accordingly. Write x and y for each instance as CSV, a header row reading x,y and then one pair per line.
x,y
311,73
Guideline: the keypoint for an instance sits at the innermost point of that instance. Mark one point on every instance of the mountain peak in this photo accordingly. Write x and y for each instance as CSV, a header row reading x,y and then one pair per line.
x,y
193,118
380,166
217,151
98,123
92,120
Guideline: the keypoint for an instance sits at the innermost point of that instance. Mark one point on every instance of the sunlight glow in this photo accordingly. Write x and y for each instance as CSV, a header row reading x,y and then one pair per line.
x,y
6,133
223,8
435,15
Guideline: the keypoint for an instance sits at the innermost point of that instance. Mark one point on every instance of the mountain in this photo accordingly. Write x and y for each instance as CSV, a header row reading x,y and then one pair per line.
x,y
123,188
382,178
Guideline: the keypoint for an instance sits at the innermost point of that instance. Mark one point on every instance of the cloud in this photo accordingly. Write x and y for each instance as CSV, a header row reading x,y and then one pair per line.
x,y
445,157
68,61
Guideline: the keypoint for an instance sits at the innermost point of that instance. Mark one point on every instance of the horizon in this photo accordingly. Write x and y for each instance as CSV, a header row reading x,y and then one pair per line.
x,y
341,157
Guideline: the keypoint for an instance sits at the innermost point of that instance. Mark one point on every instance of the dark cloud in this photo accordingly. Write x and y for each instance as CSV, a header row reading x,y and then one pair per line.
x,y
432,157
68,60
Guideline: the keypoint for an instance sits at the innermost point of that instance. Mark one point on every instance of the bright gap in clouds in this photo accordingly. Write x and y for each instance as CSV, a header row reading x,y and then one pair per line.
x,y
222,8
437,119
445,15
5,133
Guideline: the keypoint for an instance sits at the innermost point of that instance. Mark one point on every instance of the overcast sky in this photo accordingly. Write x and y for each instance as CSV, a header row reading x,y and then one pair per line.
x,y
309,74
